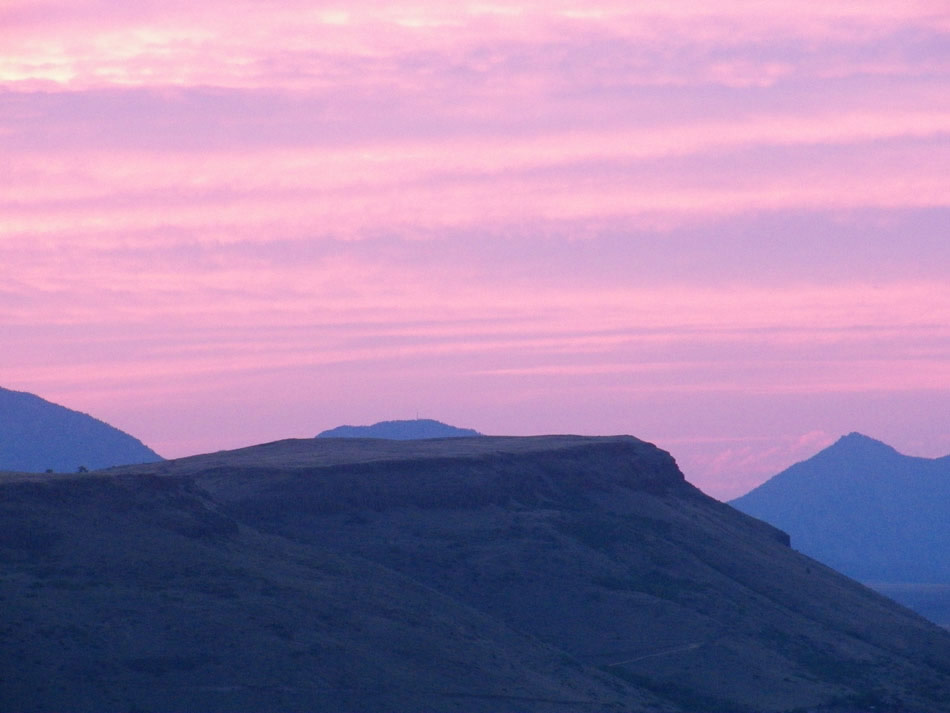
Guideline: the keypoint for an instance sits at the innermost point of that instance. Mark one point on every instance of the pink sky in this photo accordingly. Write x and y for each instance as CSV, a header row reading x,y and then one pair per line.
x,y
719,227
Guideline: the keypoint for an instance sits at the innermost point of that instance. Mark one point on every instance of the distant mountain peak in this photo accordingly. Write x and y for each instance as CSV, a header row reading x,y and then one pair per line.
x,y
858,446
38,435
864,508
855,436
409,430
859,439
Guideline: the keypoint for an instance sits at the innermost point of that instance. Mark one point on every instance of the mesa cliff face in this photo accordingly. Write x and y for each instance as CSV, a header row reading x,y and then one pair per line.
x,y
549,573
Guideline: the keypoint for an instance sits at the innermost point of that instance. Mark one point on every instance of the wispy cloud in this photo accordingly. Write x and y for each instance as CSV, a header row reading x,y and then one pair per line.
x,y
88,44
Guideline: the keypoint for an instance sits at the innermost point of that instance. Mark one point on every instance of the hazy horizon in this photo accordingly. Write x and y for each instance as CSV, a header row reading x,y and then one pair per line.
x,y
721,230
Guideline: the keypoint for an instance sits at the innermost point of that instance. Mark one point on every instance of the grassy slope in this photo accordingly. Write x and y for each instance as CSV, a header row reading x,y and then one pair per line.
x,y
133,593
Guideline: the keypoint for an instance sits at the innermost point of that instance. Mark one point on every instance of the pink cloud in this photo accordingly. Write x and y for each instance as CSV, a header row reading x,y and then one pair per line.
x,y
363,190
100,44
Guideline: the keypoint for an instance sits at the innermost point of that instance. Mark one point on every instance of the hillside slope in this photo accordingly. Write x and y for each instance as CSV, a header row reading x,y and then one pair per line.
x,y
37,435
523,574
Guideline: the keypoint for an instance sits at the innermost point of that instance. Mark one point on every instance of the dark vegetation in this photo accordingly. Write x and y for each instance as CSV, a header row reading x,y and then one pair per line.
x,y
522,574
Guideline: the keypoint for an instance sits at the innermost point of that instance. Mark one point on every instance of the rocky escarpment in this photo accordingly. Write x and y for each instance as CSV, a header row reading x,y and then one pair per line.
x,y
539,472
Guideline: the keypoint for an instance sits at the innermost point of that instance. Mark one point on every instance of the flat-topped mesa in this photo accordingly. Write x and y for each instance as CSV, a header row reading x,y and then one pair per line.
x,y
336,475
530,574
302,477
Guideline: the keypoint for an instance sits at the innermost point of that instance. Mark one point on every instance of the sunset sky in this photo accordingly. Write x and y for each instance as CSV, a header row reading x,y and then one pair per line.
x,y
720,227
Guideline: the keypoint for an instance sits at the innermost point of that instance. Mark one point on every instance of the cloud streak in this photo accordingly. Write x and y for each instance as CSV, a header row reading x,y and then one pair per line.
x,y
96,44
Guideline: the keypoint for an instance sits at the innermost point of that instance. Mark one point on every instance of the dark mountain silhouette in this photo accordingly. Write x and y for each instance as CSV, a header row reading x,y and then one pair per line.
x,y
36,435
485,574
401,430
870,512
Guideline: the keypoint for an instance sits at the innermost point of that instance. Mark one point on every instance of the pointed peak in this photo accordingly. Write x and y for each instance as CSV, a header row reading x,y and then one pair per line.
x,y
856,445
855,438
